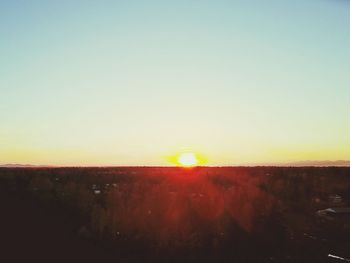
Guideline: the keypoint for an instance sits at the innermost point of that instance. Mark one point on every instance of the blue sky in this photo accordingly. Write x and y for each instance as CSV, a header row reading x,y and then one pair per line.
x,y
131,82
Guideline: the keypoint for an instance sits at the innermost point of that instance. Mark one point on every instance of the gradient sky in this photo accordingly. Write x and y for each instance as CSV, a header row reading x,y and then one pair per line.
x,y
131,82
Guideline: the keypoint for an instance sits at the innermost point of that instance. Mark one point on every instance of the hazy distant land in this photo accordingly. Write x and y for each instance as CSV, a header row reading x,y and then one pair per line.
x,y
321,163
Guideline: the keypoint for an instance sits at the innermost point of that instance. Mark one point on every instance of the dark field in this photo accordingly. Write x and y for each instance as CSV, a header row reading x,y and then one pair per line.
x,y
238,214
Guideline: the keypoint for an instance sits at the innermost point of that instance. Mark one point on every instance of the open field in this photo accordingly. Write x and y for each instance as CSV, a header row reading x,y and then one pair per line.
x,y
148,214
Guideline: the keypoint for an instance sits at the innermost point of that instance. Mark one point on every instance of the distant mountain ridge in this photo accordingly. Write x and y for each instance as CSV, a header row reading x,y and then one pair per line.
x,y
319,163
14,165
324,163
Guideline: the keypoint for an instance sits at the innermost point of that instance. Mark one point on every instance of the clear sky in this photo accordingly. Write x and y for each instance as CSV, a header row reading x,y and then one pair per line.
x,y
131,82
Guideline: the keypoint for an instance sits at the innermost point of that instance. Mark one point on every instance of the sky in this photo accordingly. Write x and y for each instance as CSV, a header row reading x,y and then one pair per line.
x,y
133,82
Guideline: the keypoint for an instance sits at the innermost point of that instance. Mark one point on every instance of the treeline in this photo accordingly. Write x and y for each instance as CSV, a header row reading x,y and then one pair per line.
x,y
222,212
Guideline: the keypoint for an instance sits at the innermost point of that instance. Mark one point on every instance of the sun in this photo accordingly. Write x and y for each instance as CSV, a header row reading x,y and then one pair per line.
x,y
187,159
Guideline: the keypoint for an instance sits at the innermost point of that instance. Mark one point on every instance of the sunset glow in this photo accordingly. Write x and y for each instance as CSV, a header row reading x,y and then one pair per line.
x,y
189,131
120,83
188,160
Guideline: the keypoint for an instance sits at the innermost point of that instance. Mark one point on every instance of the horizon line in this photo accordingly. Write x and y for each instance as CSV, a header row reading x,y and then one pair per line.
x,y
172,166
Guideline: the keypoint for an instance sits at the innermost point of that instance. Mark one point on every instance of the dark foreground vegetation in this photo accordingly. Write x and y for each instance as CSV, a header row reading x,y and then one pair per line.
x,y
239,214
